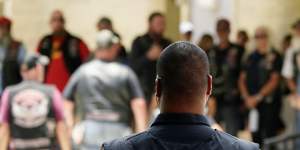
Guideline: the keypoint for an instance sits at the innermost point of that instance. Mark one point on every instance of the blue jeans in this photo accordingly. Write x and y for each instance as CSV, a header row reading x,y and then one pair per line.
x,y
97,132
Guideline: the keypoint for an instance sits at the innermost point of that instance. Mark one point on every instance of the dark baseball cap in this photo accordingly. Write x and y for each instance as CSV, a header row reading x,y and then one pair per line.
x,y
32,60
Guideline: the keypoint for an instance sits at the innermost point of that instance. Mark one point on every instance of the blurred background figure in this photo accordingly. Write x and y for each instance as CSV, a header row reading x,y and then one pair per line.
x,y
106,23
108,94
286,43
260,88
242,39
12,53
206,42
28,109
146,50
290,72
66,52
186,31
226,66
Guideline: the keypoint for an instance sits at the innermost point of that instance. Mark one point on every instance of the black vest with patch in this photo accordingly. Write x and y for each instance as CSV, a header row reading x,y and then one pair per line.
x,y
70,49
31,131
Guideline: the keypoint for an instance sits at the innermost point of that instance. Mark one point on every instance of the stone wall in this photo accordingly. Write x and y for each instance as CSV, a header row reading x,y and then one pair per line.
x,y
277,15
31,17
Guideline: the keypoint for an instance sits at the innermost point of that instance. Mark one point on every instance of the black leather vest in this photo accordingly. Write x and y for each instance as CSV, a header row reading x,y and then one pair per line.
x,y
70,49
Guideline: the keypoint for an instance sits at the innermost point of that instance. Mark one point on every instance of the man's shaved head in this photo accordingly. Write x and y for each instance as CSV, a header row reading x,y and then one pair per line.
x,y
183,70
57,21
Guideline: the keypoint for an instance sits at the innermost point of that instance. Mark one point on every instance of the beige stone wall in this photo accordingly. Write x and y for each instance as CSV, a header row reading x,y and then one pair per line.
x,y
172,19
129,16
278,15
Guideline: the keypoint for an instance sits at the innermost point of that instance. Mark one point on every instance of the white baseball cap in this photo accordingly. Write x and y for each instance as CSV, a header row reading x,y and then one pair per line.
x,y
106,38
186,27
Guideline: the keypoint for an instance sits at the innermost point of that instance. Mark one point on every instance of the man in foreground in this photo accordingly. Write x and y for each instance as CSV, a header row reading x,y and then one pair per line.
x,y
108,95
182,93
31,112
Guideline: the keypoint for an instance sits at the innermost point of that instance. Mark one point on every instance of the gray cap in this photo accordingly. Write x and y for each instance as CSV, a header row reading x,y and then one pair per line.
x,y
105,39
31,60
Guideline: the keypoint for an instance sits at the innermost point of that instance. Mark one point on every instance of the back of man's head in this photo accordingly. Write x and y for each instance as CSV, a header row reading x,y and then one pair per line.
x,y
105,39
183,71
104,23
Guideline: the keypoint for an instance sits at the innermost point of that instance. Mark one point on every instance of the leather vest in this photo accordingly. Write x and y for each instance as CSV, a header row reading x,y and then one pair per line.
x,y
70,49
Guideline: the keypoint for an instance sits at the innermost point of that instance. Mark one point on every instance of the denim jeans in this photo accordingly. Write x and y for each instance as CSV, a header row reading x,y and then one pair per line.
x,y
97,132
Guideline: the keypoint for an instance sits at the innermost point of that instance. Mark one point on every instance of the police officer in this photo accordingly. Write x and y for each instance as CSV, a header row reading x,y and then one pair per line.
x,y
182,93
260,88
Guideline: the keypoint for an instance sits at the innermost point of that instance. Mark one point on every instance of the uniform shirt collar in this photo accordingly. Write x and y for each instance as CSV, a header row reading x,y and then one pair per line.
x,y
180,119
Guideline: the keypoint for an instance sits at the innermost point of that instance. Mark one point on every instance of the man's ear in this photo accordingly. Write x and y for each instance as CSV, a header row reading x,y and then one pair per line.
x,y
209,85
158,88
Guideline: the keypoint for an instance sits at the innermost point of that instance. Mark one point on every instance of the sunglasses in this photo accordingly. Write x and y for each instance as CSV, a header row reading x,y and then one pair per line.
x,y
260,36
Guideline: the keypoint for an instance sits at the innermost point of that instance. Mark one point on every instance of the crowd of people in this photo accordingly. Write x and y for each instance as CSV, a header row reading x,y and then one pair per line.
x,y
64,91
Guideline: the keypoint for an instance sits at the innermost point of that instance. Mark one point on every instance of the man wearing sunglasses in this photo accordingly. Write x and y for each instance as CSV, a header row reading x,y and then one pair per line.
x,y
260,87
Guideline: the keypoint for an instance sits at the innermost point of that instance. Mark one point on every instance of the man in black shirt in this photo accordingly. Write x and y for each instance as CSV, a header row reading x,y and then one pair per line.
x,y
225,70
146,50
260,88
182,93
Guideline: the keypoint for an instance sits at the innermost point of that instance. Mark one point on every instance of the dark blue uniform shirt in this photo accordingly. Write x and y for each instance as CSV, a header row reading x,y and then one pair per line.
x,y
180,132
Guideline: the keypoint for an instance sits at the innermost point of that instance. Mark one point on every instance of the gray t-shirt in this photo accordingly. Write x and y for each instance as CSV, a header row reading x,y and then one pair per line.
x,y
104,90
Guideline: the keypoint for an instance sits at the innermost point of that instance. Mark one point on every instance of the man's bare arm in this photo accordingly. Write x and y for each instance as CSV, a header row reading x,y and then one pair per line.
x,y
270,85
242,85
139,109
291,84
69,114
5,136
63,136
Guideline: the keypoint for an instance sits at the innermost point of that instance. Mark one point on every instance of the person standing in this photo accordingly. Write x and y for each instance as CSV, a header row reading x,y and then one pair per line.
x,y
242,39
290,72
206,43
31,113
106,23
12,53
145,52
227,62
66,51
108,95
259,84
286,43
182,93
186,31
